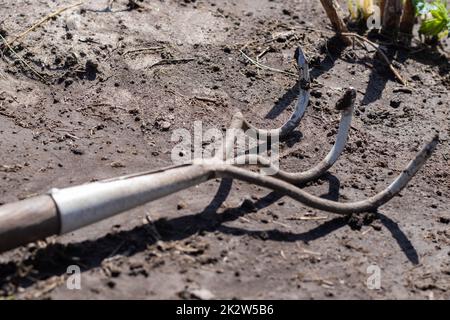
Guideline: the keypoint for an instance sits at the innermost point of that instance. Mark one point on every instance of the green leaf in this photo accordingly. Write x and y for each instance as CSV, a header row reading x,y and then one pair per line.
x,y
438,24
431,27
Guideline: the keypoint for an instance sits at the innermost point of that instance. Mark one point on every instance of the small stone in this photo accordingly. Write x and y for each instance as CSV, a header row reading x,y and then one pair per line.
x,y
117,164
250,74
444,220
316,93
164,125
115,273
202,294
68,82
395,103
77,151
402,90
181,205
376,226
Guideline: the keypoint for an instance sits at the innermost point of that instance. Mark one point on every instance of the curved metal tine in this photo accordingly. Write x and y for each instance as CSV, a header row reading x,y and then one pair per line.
x,y
367,205
239,122
300,108
320,168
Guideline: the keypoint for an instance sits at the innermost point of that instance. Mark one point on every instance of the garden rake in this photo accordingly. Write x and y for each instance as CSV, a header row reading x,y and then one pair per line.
x,y
64,210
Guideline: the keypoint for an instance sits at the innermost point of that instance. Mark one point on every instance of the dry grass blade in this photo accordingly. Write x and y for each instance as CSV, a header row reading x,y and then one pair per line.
x,y
382,54
41,22
264,67
171,61
141,50
21,59
372,44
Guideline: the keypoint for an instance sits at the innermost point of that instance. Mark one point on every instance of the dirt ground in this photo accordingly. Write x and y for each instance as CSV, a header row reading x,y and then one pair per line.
x,y
102,110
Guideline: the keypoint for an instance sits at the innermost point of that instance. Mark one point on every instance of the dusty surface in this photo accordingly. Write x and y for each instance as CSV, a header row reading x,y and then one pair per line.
x,y
105,111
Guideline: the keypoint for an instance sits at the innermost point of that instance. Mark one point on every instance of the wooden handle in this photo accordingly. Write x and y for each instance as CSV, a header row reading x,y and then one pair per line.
x,y
26,221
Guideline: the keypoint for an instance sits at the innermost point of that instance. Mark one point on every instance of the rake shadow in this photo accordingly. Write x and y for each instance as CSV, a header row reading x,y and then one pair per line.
x,y
89,254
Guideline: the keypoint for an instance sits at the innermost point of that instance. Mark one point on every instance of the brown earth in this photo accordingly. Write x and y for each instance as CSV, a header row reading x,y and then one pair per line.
x,y
104,111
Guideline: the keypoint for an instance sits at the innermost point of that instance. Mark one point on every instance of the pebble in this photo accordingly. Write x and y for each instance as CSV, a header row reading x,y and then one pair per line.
x,y
395,103
77,151
117,164
444,220
202,294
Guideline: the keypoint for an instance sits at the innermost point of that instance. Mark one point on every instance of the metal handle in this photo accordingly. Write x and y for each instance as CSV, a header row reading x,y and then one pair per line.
x,y
69,209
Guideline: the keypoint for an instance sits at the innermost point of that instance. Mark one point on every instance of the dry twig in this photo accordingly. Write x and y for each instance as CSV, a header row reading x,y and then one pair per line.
x,y
382,54
21,59
142,49
264,67
171,61
391,21
41,22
